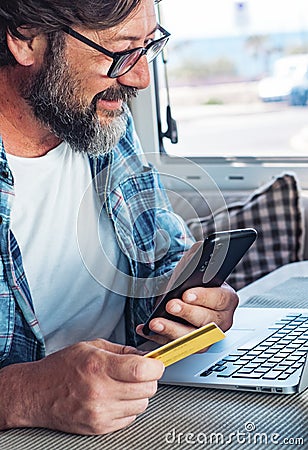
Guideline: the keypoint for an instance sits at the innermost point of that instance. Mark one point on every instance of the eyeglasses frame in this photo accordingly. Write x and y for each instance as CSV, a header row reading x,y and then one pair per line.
x,y
116,56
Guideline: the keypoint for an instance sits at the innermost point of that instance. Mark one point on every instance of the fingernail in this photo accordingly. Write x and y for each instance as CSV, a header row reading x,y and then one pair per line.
x,y
157,326
175,308
191,297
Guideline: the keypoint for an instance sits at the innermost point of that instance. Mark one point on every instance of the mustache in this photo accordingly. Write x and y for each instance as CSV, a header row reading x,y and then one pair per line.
x,y
124,93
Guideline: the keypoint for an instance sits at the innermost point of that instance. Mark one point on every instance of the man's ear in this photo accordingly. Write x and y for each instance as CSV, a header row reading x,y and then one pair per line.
x,y
24,51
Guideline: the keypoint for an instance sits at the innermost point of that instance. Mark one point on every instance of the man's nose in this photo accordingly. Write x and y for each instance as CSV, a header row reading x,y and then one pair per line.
x,y
138,76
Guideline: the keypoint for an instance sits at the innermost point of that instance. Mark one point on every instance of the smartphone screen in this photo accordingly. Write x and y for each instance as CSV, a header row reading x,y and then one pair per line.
x,y
207,264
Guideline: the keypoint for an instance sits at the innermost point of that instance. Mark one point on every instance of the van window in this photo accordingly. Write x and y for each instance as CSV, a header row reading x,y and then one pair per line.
x,y
238,78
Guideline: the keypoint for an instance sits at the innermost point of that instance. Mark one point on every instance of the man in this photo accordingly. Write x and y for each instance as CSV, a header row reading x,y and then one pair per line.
x,y
70,156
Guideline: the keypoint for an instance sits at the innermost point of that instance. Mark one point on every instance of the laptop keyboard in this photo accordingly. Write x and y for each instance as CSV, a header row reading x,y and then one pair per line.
x,y
275,358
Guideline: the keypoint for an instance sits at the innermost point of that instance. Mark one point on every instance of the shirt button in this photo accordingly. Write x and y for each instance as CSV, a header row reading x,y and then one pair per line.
x,y
5,174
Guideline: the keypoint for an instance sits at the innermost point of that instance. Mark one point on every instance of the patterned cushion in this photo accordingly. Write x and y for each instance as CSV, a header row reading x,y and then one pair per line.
x,y
274,211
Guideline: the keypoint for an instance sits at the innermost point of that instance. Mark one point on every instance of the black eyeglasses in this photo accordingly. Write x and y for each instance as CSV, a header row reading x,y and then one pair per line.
x,y
125,61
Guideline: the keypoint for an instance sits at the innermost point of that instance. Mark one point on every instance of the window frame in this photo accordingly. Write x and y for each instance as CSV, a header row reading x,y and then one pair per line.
x,y
229,173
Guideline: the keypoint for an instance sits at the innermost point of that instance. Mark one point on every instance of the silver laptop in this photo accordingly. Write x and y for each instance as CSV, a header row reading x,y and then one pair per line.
x,y
265,351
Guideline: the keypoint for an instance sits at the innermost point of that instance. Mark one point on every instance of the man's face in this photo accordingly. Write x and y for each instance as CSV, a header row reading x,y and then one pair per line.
x,y
71,94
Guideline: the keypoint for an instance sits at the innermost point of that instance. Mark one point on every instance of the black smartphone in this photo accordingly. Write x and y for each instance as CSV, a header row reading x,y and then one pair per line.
x,y
207,264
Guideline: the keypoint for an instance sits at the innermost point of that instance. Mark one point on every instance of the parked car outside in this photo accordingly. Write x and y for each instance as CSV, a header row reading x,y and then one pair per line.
x,y
299,94
289,81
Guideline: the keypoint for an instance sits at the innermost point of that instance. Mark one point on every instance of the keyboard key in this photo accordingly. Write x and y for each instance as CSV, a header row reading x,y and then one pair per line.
x,y
231,358
206,373
255,352
297,365
277,325
286,363
295,333
294,345
290,371
252,365
292,358
245,370
283,376
279,346
263,356
281,333
230,369
262,369
270,341
253,375
300,341
281,367
239,362
275,360
270,351
282,354
260,348
267,364
247,358
219,368
272,375
286,342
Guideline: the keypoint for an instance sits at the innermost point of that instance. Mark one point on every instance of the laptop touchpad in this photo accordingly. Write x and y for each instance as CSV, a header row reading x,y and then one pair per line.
x,y
233,339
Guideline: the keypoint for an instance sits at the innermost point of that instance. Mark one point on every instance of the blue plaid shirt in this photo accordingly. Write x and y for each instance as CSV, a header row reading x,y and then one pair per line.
x,y
150,235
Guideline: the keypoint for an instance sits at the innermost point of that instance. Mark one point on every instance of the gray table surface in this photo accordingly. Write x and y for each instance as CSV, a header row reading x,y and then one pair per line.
x,y
191,418
201,415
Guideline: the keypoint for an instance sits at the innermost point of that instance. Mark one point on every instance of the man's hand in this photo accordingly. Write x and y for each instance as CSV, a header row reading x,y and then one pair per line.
x,y
89,388
198,307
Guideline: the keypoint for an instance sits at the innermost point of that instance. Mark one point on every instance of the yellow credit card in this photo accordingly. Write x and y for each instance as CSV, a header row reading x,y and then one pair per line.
x,y
188,344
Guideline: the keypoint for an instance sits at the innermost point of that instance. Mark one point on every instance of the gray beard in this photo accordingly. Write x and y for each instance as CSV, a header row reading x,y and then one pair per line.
x,y
91,137
57,102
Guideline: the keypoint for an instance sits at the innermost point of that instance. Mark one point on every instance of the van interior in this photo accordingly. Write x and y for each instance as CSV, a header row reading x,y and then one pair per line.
x,y
224,149
225,122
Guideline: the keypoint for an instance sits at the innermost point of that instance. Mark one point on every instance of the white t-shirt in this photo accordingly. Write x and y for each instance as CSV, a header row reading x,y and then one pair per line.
x,y
71,304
